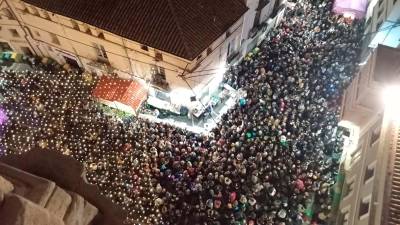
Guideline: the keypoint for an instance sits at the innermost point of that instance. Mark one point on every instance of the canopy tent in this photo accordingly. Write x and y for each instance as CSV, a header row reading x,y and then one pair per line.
x,y
125,95
354,8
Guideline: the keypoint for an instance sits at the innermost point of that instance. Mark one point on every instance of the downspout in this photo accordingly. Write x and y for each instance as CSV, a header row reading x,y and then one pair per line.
x,y
127,56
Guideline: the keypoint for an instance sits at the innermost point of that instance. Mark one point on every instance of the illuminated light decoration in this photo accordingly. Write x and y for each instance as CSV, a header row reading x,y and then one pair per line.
x,y
3,118
3,122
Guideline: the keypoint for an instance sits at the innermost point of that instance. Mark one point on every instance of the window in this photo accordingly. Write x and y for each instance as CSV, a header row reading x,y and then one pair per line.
x,y
227,34
158,56
75,25
158,77
101,51
144,47
26,51
34,11
364,207
209,51
101,35
46,15
158,71
376,133
54,39
369,172
25,10
14,33
87,29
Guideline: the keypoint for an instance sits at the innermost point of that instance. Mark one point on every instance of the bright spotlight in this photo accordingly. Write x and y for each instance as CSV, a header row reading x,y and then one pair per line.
x,y
391,97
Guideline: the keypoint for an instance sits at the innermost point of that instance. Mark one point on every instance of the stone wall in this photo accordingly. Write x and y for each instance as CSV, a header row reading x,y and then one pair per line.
x,y
47,188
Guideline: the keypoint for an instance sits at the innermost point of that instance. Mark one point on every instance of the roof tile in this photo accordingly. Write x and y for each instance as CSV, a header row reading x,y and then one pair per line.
x,y
184,28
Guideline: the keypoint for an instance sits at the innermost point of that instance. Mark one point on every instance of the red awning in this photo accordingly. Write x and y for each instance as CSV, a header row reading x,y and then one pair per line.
x,y
127,92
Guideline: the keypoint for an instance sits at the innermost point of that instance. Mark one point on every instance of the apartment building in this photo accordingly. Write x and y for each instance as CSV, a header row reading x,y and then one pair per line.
x,y
382,24
179,49
371,161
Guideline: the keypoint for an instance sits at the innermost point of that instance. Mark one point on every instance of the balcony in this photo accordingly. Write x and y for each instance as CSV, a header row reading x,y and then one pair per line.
x,y
159,80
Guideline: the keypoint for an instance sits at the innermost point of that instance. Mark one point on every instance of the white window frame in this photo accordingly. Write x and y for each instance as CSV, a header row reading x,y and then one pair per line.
x,y
14,34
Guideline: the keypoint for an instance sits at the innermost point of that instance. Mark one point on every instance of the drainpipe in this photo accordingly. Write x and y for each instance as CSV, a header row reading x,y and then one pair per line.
x,y
127,55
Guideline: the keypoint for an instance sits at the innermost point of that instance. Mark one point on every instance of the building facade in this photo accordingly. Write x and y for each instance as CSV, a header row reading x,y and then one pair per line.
x,y
382,24
370,160
179,61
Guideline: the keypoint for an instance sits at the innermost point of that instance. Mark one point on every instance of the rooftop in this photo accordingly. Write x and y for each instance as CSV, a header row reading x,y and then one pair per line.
x,y
184,28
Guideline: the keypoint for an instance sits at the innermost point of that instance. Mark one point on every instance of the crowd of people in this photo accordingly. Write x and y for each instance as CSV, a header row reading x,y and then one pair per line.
x,y
270,159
